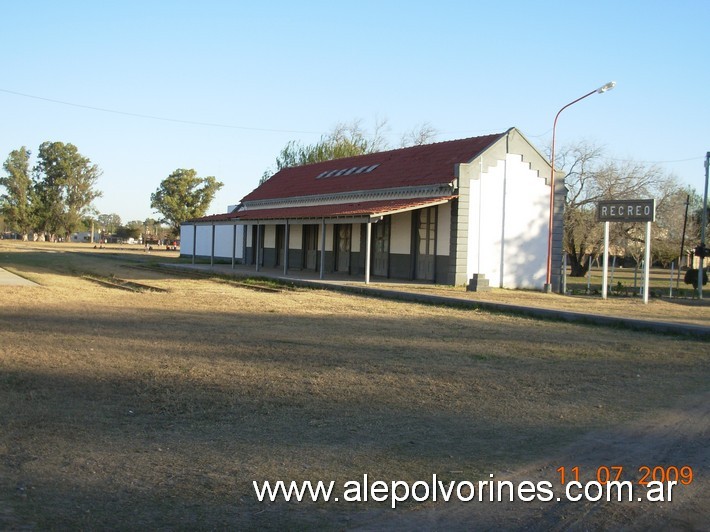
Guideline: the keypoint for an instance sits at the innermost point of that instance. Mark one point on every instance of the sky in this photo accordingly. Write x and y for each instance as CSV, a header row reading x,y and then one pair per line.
x,y
143,88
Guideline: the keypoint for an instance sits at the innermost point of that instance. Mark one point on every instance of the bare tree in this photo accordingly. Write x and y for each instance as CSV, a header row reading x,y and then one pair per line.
x,y
670,221
422,134
346,139
590,177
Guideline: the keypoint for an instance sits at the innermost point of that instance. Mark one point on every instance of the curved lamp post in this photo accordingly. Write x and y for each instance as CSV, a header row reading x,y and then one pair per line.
x,y
600,90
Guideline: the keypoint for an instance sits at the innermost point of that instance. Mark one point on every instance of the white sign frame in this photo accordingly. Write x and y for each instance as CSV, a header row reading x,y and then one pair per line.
x,y
647,252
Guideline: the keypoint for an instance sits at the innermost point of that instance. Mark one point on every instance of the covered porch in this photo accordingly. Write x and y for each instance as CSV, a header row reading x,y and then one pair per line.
x,y
402,239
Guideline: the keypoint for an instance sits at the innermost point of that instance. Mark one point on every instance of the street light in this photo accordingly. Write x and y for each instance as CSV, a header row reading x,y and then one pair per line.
x,y
703,225
600,90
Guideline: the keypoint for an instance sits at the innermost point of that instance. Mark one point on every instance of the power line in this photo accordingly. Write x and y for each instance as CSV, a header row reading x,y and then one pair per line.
x,y
161,118
656,162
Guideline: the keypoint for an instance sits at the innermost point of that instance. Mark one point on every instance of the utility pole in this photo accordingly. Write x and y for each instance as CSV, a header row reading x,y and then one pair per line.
x,y
682,242
702,228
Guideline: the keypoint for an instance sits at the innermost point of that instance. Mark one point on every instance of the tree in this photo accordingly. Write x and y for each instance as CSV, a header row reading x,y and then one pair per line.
x,y
696,210
64,185
182,196
154,230
418,136
16,203
670,221
109,223
589,178
132,229
345,140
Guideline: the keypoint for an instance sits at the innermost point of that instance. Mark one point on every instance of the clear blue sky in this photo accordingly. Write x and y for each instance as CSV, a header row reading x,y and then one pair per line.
x,y
274,71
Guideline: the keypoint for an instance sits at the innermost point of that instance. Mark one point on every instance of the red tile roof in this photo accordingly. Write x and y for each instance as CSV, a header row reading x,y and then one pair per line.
x,y
214,218
359,209
365,208
429,164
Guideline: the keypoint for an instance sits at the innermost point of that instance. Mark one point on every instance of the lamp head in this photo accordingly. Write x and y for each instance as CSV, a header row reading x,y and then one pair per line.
x,y
606,87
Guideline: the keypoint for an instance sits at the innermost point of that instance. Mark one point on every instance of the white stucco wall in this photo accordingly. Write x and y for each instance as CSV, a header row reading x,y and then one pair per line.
x,y
270,236
508,223
526,227
443,230
186,240
204,240
223,239
355,238
485,221
401,233
295,238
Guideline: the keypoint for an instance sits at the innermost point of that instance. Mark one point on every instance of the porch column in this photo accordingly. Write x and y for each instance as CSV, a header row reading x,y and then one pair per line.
x,y
368,239
322,249
244,229
194,241
212,248
258,245
234,244
436,237
286,248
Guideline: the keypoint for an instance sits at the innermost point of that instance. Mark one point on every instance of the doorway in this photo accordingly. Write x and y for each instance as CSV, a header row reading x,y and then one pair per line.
x,y
381,253
343,239
310,246
280,238
426,244
257,244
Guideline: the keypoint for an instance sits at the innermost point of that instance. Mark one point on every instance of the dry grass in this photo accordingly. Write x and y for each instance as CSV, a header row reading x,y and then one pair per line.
x,y
677,309
155,410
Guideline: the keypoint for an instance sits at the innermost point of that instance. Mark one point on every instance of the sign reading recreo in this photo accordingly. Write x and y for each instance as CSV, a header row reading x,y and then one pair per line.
x,y
627,211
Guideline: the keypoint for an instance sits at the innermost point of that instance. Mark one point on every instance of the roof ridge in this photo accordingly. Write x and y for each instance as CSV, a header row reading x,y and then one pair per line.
x,y
400,149
423,164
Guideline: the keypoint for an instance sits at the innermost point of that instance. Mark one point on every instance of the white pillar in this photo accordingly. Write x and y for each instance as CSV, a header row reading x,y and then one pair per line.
x,y
212,248
234,244
322,249
647,262
258,245
286,248
367,252
194,241
605,268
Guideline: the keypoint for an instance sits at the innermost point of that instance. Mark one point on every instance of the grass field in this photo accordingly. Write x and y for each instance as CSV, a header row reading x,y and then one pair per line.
x,y
157,409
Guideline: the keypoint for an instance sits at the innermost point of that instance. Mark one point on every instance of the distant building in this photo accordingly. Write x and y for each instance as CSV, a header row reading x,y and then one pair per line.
x,y
449,212
84,237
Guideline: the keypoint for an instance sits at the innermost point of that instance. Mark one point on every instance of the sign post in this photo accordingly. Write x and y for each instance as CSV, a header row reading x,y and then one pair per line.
x,y
627,211
647,263
606,260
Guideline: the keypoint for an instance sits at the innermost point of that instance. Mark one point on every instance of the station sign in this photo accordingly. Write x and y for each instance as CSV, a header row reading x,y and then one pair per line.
x,y
626,210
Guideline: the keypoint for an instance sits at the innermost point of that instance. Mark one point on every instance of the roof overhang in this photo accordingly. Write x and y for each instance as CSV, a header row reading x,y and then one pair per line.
x,y
356,212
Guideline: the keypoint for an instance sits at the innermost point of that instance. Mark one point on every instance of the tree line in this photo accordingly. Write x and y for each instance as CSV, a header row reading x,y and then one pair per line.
x,y
53,198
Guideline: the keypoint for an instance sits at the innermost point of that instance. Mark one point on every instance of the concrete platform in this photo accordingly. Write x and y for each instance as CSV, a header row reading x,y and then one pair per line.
x,y
10,279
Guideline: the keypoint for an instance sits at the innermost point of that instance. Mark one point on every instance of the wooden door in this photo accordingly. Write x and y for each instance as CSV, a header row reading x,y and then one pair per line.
x,y
381,252
310,247
257,244
343,237
280,232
